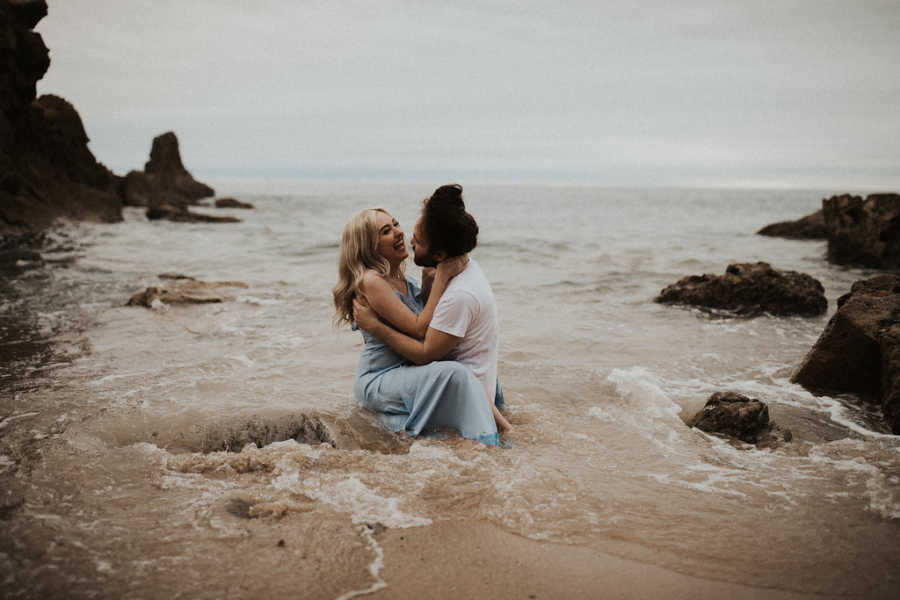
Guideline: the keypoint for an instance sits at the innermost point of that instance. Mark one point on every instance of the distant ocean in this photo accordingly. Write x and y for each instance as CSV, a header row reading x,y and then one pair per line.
x,y
598,381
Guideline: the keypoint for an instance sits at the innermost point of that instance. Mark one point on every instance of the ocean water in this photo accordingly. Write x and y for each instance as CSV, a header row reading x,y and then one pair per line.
x,y
113,416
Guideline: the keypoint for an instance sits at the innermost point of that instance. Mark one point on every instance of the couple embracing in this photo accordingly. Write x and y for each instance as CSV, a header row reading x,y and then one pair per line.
x,y
430,354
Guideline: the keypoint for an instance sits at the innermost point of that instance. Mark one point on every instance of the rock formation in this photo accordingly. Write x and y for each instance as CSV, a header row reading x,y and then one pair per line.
x,y
810,227
864,232
232,203
859,350
164,179
183,290
737,416
750,289
46,168
181,214
859,232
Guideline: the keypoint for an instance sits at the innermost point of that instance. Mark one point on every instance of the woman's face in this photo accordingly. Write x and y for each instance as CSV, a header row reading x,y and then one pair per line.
x,y
391,243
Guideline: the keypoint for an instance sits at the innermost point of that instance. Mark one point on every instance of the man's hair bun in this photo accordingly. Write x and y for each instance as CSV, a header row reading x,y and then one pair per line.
x,y
448,227
448,197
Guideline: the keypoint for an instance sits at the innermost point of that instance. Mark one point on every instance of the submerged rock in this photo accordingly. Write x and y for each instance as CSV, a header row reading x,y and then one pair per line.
x,y
164,180
810,227
737,416
232,203
181,214
261,431
188,291
859,350
864,232
750,289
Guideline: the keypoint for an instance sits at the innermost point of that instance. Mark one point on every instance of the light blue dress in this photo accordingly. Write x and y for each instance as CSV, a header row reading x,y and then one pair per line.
x,y
420,398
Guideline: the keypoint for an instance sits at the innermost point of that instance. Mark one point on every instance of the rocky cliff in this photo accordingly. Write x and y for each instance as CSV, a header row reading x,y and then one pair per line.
x,y
46,168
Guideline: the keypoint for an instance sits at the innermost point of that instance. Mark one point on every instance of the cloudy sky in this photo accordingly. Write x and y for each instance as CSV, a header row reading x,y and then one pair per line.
x,y
793,93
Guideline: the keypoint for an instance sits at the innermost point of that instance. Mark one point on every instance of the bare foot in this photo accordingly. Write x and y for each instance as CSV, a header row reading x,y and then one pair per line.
x,y
503,426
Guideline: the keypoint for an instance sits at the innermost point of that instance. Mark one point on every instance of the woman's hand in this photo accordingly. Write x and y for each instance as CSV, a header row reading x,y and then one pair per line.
x,y
427,282
363,315
450,268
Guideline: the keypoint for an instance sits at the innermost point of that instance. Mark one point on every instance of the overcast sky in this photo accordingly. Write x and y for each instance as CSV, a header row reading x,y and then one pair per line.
x,y
794,93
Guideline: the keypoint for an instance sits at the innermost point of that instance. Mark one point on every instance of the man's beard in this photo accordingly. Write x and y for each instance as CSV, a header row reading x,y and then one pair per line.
x,y
425,261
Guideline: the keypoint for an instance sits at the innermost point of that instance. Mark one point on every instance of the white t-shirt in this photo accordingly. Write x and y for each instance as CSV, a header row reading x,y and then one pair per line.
x,y
468,310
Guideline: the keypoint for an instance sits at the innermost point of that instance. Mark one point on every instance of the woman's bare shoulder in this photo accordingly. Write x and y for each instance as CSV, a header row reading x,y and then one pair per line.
x,y
371,276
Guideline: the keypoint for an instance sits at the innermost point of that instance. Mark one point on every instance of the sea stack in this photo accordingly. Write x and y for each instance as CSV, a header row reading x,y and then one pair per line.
x,y
164,179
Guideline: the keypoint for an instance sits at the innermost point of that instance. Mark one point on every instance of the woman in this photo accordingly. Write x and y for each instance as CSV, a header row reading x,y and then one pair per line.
x,y
406,397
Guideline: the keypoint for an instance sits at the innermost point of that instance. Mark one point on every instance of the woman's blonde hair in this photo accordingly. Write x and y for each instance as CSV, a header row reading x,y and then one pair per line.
x,y
359,251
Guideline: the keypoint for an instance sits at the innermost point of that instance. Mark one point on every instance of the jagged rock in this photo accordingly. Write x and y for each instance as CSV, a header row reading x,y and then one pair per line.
x,y
183,215
46,168
232,203
184,292
810,227
864,232
261,431
859,350
164,179
140,189
737,416
750,289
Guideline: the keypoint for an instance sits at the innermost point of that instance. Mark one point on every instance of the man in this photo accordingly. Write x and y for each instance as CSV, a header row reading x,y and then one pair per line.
x,y
464,326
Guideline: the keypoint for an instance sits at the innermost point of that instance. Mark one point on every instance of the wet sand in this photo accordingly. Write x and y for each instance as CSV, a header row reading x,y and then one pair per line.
x,y
455,559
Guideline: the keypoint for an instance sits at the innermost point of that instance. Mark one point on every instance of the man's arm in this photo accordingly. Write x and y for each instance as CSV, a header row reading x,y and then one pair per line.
x,y
435,346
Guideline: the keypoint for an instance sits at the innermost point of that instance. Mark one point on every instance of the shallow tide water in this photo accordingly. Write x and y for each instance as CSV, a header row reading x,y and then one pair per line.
x,y
115,419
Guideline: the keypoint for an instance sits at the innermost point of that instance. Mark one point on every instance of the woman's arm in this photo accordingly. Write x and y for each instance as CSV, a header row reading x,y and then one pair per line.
x,y
381,297
427,280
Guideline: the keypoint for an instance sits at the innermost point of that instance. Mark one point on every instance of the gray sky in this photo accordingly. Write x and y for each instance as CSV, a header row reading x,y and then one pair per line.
x,y
794,93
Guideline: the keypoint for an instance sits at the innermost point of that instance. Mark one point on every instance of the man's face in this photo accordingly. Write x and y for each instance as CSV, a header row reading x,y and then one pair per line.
x,y
421,253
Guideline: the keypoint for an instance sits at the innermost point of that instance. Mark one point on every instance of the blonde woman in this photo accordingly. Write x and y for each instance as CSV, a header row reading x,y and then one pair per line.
x,y
406,397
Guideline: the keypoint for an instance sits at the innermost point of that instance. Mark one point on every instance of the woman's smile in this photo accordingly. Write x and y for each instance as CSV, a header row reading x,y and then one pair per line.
x,y
392,243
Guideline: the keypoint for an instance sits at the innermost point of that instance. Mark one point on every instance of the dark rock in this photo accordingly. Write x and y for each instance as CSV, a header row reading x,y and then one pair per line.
x,y
164,180
46,169
859,350
810,227
175,276
140,189
737,416
232,203
184,292
28,12
864,232
183,215
750,289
